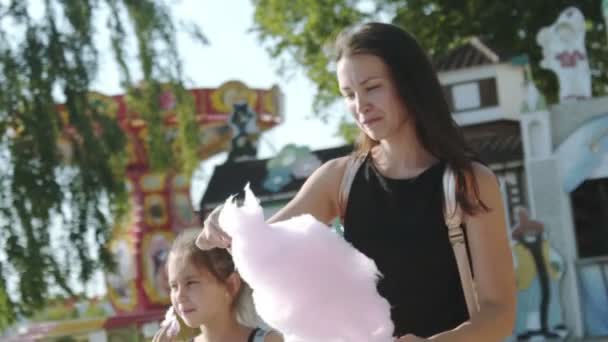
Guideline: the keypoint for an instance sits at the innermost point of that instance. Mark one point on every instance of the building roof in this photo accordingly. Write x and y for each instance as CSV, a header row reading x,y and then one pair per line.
x,y
496,142
472,54
230,178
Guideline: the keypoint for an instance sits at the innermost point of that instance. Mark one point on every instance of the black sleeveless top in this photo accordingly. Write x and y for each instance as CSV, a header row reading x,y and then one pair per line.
x,y
399,224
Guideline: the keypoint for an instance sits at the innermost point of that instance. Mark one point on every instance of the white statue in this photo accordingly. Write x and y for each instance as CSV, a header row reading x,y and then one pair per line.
x,y
564,53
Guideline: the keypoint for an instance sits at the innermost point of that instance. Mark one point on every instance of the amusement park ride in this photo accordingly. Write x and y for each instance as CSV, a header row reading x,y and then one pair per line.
x,y
229,118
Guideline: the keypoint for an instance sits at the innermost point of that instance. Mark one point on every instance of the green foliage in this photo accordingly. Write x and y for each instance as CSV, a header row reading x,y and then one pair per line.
x,y
6,306
52,56
66,339
56,312
60,309
299,30
94,311
508,26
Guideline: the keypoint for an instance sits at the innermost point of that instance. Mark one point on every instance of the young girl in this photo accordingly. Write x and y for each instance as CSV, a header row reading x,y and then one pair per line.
x,y
207,292
394,209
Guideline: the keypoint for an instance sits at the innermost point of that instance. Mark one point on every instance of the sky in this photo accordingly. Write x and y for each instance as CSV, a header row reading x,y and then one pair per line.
x,y
236,54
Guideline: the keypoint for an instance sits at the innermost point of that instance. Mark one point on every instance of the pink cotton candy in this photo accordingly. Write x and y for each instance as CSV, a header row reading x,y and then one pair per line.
x,y
308,282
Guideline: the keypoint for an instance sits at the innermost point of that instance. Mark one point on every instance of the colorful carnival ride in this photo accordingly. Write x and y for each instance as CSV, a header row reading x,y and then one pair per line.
x,y
229,118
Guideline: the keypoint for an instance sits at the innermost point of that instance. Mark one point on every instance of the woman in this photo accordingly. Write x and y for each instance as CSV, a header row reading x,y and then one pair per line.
x,y
207,293
393,213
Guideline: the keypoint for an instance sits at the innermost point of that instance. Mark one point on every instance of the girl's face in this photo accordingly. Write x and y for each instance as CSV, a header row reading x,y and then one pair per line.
x,y
371,96
197,296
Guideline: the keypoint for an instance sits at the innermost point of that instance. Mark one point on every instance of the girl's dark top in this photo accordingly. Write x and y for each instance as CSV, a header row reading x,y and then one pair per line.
x,y
252,337
399,224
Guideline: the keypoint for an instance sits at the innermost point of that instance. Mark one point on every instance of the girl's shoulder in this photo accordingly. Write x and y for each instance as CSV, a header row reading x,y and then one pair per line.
x,y
264,335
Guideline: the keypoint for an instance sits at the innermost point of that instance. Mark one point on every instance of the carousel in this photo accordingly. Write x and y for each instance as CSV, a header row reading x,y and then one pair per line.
x,y
230,118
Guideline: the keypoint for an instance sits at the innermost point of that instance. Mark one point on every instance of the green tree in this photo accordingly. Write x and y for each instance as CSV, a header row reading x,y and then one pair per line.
x,y
48,53
300,31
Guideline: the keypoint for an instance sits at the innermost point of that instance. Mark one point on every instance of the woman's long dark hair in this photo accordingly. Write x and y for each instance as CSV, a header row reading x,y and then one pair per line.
x,y
417,84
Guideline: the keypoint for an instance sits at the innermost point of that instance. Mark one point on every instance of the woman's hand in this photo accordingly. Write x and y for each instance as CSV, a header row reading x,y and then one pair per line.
x,y
212,236
411,338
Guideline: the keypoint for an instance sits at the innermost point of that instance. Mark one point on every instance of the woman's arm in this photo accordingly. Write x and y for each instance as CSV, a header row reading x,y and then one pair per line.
x,y
273,337
493,267
318,197
319,194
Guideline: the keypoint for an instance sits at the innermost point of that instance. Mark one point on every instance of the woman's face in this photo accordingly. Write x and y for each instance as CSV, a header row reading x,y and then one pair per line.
x,y
196,295
371,96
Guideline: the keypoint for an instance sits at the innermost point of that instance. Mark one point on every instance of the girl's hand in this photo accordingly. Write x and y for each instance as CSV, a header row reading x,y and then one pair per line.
x,y
411,338
212,236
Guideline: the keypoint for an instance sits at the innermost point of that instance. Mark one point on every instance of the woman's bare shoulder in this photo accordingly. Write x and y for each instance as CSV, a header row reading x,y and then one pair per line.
x,y
273,336
336,166
484,177
330,173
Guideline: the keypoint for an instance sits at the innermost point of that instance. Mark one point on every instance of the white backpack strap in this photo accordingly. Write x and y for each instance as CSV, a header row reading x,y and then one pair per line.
x,y
353,164
453,220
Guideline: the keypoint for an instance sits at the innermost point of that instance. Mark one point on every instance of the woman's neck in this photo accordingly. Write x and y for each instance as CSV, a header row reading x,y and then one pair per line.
x,y
402,155
223,330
